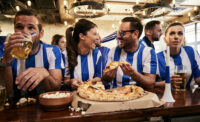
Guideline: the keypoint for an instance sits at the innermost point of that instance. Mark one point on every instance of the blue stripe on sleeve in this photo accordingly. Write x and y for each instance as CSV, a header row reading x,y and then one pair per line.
x,y
14,69
139,59
153,62
46,64
58,57
161,65
30,62
116,58
190,54
84,68
94,56
126,78
63,69
99,63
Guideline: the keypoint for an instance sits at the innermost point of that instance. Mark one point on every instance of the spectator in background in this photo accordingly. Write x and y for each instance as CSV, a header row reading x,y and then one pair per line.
x,y
60,41
153,32
179,55
84,59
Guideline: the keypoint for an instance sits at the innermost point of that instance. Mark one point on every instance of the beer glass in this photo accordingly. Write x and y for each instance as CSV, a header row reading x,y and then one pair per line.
x,y
182,72
2,95
23,51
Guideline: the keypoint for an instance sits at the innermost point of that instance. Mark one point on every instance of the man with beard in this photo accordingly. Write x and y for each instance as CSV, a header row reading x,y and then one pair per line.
x,y
142,58
153,32
41,71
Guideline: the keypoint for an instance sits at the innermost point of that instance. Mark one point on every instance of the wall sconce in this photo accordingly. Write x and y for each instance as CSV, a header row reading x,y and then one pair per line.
x,y
173,4
17,8
189,15
65,23
66,6
29,3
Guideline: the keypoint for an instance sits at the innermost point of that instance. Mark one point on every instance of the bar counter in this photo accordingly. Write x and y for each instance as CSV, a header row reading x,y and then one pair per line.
x,y
187,103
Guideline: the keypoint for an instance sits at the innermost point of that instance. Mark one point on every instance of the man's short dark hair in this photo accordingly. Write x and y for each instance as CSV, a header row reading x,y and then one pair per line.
x,y
27,12
135,24
151,24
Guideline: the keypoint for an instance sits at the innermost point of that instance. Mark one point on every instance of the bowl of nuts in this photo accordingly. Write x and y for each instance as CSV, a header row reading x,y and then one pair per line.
x,y
56,100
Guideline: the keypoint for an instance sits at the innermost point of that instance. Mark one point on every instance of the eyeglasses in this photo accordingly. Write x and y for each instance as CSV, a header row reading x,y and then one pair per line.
x,y
123,33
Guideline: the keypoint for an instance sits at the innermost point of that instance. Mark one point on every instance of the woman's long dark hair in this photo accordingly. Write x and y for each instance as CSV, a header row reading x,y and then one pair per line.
x,y
55,39
72,37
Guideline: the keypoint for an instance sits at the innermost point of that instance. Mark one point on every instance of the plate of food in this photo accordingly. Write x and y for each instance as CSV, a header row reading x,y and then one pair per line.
x,y
95,91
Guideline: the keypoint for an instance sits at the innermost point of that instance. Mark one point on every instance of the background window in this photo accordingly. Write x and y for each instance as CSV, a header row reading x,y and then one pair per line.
x,y
190,33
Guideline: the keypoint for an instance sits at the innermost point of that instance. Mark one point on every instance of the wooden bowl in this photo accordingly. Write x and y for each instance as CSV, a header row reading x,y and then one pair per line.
x,y
55,104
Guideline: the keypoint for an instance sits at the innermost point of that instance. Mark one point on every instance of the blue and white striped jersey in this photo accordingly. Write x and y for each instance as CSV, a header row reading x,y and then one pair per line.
x,y
142,60
187,57
146,42
64,59
2,40
88,67
47,56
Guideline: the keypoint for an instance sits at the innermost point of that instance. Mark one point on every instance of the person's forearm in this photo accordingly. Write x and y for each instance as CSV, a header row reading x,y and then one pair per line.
x,y
7,78
50,83
160,84
67,81
145,81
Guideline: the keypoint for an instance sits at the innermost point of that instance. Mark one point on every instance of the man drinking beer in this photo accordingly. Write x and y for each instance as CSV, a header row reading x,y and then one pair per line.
x,y
41,71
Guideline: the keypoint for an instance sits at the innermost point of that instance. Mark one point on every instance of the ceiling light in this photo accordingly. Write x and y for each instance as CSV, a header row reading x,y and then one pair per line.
x,y
17,8
65,23
76,20
162,22
137,2
94,11
113,25
144,13
195,8
87,9
173,2
29,3
9,16
189,14
108,6
65,2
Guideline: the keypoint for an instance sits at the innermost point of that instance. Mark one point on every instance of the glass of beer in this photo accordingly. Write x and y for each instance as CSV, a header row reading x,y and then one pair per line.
x,y
2,95
23,51
182,72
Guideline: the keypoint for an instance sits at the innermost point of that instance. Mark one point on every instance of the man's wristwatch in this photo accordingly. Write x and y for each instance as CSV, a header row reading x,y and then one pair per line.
x,y
3,64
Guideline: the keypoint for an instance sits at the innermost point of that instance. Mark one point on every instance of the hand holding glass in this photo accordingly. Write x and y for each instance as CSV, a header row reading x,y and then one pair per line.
x,y
182,72
23,51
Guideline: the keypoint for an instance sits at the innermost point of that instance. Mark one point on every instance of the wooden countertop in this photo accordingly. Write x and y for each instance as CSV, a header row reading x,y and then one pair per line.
x,y
187,103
